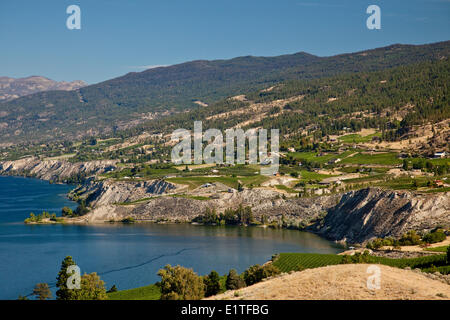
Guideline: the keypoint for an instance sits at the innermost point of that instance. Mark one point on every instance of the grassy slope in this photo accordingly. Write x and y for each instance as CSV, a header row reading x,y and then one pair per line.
x,y
150,292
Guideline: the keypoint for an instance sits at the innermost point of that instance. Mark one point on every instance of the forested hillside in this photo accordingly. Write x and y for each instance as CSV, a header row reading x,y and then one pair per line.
x,y
418,93
129,100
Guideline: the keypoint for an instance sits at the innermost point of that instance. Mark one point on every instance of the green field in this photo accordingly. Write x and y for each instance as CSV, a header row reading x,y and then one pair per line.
x,y
284,188
388,158
292,261
311,175
150,292
438,249
313,156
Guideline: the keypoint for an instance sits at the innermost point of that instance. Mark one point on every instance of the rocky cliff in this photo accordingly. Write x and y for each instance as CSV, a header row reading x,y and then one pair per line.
x,y
159,200
107,192
55,170
353,217
173,207
372,212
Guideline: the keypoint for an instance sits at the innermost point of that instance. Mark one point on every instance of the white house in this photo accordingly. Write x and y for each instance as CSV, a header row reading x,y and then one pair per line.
x,y
440,154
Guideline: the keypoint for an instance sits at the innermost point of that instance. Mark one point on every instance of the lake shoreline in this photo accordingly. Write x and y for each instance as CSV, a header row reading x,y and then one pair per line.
x,y
130,255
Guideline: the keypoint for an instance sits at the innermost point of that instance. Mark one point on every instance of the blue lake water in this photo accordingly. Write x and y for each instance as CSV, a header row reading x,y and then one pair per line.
x,y
125,255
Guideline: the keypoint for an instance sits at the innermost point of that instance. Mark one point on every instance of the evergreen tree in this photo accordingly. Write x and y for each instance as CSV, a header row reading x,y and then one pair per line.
x,y
63,293
212,284
234,281
405,165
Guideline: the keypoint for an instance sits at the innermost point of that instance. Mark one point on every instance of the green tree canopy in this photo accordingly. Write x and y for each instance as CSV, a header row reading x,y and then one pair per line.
x,y
178,283
92,288
42,291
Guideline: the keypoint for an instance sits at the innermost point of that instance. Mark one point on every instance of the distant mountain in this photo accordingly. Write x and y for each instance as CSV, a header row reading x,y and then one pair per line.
x,y
11,88
129,99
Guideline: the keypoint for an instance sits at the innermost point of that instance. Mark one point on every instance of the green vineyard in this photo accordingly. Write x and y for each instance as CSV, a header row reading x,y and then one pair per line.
x,y
299,261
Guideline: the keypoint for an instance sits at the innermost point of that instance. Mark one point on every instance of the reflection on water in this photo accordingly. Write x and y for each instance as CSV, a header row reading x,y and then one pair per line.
x,y
126,255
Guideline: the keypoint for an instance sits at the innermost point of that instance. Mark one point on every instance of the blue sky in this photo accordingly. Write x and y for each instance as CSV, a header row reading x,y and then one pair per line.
x,y
117,36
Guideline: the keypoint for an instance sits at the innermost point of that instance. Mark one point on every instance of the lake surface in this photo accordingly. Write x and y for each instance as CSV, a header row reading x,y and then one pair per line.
x,y
125,255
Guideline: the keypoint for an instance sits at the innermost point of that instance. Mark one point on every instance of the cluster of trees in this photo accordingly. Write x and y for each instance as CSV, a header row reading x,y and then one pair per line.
x,y
179,283
240,216
358,257
91,286
81,210
434,236
410,238
40,217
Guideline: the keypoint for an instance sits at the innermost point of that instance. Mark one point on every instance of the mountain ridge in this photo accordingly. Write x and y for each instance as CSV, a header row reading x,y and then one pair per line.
x,y
99,108
13,88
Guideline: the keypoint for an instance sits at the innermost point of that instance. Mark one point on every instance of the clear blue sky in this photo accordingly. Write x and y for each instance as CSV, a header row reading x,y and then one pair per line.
x,y
119,36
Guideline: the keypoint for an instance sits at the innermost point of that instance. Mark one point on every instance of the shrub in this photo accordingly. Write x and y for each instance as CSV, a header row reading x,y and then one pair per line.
x,y
42,291
209,217
66,212
410,238
81,209
448,254
128,220
434,236
178,283
358,258
256,273
113,289
234,281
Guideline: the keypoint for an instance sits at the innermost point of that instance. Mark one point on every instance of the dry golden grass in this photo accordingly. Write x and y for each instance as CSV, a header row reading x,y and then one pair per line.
x,y
346,282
